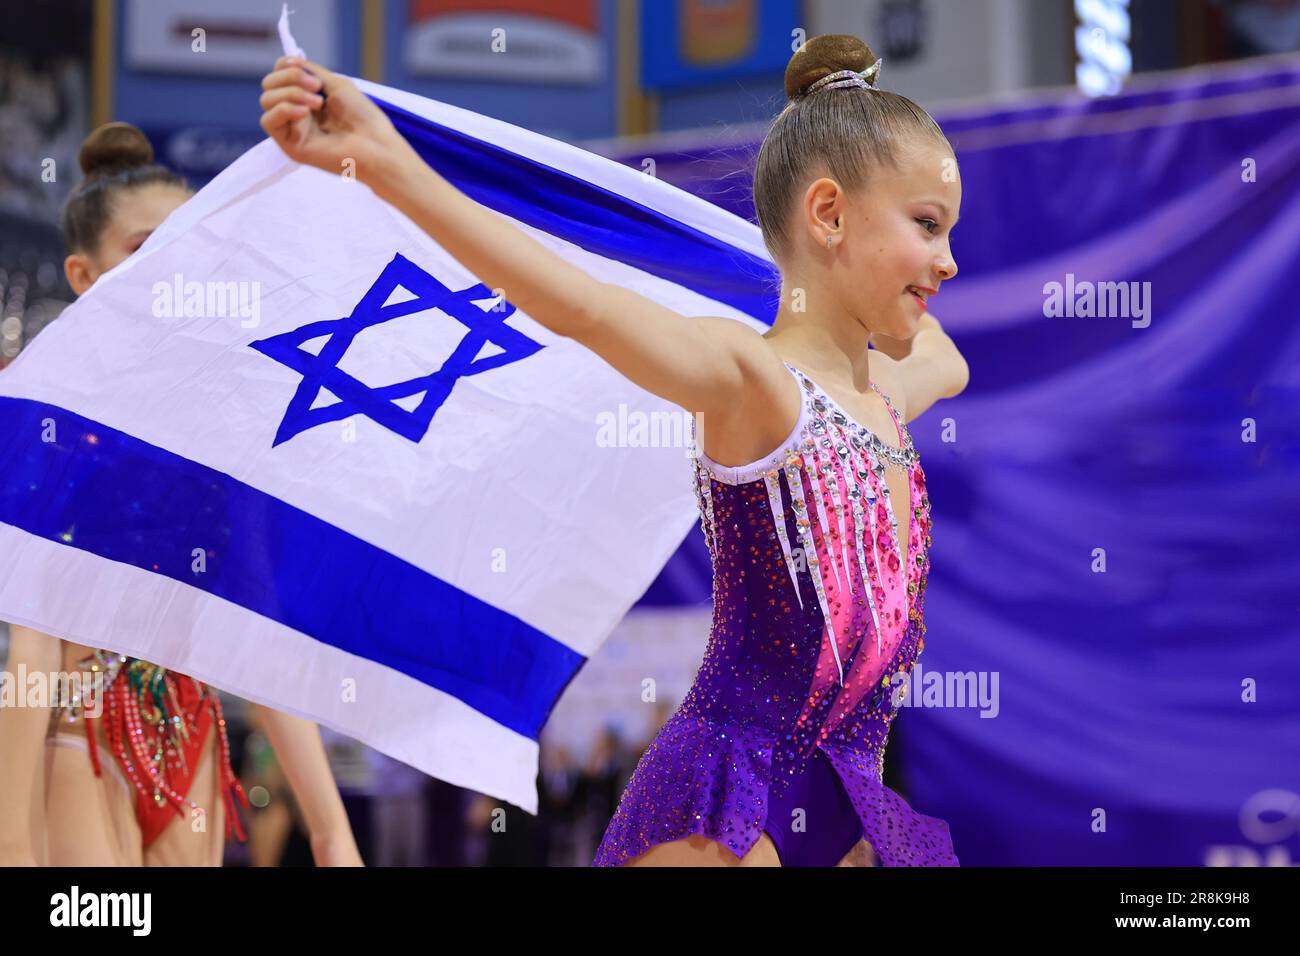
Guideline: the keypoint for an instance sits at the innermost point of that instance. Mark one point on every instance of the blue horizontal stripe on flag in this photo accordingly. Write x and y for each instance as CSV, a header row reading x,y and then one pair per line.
x,y
105,492
592,217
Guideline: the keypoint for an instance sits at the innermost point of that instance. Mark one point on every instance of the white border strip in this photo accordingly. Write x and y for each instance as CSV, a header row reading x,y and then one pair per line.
x,y
591,167
90,600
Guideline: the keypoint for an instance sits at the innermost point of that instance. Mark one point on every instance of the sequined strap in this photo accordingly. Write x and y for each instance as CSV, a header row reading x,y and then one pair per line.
x,y
904,437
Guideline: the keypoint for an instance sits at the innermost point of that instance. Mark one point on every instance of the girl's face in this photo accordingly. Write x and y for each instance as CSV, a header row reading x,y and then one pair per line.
x,y
897,235
133,215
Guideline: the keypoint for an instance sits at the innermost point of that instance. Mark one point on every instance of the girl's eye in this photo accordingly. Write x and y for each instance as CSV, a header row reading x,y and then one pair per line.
x,y
930,228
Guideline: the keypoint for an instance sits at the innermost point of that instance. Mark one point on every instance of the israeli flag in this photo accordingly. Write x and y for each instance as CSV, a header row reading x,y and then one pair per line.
x,y
292,448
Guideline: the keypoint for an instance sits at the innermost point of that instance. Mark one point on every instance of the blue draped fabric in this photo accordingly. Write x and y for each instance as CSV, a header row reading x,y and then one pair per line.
x,y
1147,714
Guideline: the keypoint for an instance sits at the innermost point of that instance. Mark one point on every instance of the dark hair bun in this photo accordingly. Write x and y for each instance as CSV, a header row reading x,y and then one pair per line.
x,y
114,147
821,56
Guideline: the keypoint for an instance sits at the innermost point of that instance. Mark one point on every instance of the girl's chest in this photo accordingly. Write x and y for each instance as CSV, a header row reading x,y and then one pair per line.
x,y
883,474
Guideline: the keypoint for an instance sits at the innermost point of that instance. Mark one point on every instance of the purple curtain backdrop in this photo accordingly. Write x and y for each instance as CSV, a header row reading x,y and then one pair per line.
x,y
1148,714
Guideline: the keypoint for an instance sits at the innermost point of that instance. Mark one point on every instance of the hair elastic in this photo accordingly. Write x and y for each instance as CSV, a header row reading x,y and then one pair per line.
x,y
842,79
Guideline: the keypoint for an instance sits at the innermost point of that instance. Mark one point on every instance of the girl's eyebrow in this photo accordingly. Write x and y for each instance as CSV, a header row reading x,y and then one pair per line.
x,y
946,210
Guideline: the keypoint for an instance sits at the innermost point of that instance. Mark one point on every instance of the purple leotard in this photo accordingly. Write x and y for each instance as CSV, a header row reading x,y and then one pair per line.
x,y
784,728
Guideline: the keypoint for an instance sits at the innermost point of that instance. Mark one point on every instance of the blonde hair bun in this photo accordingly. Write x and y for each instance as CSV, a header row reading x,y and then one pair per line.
x,y
820,57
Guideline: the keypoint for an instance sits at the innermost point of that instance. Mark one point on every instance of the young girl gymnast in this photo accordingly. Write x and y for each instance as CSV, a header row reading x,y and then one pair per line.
x,y
811,494
141,775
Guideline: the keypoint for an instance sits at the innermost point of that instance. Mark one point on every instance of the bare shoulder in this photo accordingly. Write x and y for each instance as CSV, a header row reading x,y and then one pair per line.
x,y
735,333
761,365
766,407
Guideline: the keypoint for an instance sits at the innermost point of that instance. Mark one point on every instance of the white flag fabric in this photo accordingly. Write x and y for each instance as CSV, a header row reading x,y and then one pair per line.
x,y
293,449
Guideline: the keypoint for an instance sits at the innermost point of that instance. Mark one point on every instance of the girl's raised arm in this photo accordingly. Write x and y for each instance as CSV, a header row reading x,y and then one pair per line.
x,y
712,365
926,367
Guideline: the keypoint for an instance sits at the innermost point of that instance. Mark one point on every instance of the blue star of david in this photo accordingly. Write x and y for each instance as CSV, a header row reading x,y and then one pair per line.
x,y
379,404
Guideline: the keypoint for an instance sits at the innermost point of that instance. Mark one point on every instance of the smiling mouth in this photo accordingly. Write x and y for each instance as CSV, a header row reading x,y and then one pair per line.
x,y
920,299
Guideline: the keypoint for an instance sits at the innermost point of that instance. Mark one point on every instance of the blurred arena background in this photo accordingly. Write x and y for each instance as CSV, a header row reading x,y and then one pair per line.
x,y
682,89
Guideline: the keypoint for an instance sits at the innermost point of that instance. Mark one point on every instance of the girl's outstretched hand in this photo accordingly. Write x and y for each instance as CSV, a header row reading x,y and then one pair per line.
x,y
322,119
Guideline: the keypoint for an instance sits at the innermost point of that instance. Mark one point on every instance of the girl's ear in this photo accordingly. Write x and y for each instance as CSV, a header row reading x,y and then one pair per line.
x,y
80,271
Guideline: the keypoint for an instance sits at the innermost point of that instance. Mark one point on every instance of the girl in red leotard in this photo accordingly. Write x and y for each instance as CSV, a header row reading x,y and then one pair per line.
x,y
141,775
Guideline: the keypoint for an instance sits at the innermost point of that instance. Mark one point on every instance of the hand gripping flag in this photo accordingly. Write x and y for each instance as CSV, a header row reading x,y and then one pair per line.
x,y
292,448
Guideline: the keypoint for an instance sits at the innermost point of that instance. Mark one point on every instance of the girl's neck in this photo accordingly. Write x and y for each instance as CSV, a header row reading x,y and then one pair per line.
x,y
831,349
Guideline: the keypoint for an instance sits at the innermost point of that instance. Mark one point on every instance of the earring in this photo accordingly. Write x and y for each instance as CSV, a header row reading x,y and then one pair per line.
x,y
828,242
